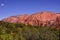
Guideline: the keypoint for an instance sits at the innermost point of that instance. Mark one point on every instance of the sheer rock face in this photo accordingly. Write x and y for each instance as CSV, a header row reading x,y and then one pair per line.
x,y
42,18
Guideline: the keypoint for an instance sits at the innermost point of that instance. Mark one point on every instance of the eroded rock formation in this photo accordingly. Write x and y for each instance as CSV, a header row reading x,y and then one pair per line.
x,y
41,19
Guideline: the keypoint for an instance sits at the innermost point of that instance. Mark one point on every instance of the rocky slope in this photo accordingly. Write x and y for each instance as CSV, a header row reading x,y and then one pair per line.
x,y
49,19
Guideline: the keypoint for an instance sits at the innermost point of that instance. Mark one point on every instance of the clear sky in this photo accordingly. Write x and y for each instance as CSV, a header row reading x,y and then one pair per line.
x,y
17,7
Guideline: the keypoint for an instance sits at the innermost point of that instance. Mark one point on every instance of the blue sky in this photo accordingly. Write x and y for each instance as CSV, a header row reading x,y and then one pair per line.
x,y
18,7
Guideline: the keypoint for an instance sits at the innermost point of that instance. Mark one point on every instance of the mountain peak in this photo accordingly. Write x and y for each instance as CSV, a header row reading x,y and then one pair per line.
x,y
40,18
45,12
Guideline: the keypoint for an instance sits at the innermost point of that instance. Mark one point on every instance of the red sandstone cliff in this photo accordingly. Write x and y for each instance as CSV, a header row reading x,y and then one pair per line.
x,y
41,19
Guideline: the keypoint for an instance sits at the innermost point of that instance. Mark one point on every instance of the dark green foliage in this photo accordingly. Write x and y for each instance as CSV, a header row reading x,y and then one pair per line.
x,y
19,31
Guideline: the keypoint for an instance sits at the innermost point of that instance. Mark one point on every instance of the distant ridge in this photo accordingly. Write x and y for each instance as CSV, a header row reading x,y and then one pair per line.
x,y
49,19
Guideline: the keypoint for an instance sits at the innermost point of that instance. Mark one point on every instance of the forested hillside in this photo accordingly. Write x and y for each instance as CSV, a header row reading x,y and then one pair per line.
x,y
19,31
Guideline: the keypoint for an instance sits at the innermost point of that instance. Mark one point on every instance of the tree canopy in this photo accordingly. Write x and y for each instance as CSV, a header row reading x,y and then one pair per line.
x,y
20,31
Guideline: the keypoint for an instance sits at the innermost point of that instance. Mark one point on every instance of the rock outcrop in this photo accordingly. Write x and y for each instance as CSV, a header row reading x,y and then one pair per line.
x,y
49,19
